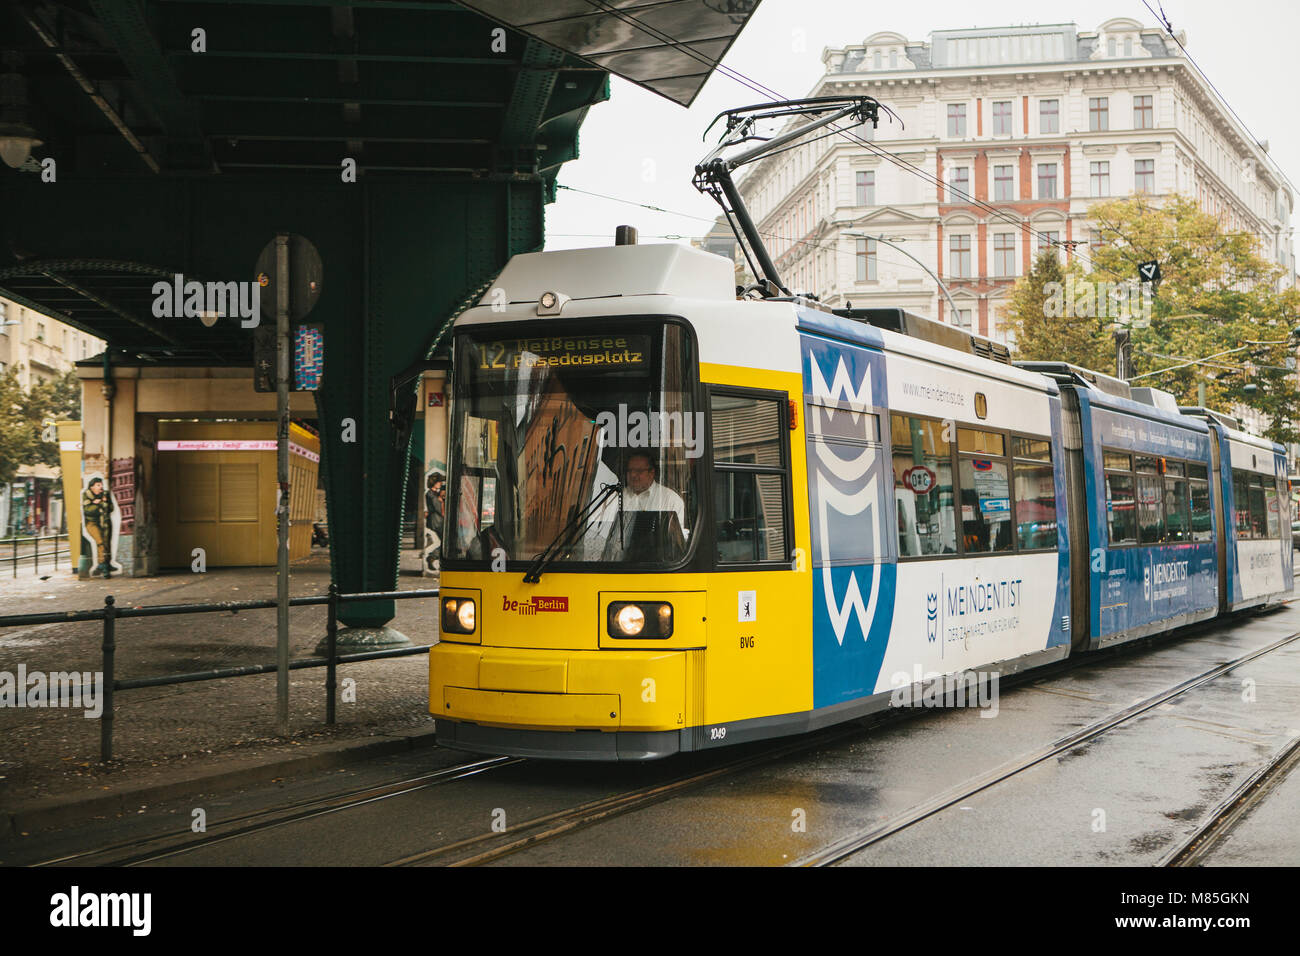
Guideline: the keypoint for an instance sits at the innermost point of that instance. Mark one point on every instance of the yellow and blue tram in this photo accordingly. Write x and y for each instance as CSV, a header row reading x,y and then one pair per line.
x,y
679,520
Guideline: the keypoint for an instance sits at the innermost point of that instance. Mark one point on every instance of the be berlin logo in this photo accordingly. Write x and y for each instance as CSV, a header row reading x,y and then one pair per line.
x,y
74,689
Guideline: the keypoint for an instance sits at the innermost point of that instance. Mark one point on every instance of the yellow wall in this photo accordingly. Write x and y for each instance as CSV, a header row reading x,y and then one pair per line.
x,y
70,464
224,501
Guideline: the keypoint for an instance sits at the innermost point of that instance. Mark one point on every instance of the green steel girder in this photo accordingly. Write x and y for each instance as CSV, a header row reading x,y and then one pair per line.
x,y
532,93
390,282
460,151
128,28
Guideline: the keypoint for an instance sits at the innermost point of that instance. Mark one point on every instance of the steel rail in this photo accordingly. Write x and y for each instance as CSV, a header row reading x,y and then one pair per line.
x,y
259,821
1233,808
847,846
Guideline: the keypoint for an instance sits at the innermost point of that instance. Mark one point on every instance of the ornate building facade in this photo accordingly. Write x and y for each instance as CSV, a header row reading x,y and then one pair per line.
x,y
1007,137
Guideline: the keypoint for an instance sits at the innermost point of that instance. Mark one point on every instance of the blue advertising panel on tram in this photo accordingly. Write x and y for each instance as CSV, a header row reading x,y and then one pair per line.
x,y
1152,543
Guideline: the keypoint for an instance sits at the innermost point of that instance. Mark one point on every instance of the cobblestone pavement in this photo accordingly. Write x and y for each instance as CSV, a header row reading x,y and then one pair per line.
x,y
167,733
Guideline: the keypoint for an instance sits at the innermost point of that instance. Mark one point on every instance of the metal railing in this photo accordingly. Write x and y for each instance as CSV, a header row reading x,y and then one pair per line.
x,y
110,613
35,554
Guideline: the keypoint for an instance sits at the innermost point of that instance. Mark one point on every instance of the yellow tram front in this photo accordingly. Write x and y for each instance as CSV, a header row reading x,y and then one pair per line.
x,y
573,516
584,531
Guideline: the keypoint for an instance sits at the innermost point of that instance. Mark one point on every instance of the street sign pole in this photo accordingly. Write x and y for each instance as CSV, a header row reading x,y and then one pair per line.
x,y
282,478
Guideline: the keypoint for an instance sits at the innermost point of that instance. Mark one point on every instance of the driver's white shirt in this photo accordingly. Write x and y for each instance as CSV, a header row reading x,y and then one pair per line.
x,y
655,498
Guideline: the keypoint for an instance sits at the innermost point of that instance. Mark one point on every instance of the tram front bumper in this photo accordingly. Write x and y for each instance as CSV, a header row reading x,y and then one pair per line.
x,y
559,690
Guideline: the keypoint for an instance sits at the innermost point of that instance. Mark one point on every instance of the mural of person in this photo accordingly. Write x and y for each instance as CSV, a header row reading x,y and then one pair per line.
x,y
99,523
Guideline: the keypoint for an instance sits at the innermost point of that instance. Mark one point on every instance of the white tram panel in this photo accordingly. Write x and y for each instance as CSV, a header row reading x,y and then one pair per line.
x,y
991,609
1264,566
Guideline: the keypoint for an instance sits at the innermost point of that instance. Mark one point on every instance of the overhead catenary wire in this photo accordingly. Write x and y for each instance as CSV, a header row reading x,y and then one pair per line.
x,y
1164,21
830,246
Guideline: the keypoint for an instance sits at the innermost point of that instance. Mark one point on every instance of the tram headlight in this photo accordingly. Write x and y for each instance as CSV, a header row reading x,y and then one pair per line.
x,y
458,615
630,620
640,619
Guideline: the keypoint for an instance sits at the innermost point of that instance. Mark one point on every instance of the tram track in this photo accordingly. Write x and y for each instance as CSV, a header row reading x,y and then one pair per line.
x,y
1225,817
173,843
543,829
488,847
845,847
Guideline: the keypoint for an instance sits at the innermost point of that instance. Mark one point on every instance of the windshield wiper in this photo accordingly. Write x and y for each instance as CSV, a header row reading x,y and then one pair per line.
x,y
569,534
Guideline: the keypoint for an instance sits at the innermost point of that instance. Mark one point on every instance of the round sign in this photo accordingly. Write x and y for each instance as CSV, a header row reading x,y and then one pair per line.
x,y
305,277
919,479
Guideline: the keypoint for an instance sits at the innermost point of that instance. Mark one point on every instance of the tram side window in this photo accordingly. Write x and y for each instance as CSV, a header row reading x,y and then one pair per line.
x,y
923,487
1272,516
1202,526
985,494
1035,495
1121,503
1258,508
1241,502
749,484
1178,518
1150,514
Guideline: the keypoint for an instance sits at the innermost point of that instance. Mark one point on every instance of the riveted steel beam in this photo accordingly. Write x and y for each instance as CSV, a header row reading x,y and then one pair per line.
x,y
129,30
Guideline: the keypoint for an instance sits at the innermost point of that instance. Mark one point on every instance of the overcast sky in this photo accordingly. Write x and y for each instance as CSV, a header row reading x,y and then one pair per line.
x,y
639,146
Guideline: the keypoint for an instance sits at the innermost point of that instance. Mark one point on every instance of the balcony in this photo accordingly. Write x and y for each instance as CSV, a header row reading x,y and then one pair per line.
x,y
43,355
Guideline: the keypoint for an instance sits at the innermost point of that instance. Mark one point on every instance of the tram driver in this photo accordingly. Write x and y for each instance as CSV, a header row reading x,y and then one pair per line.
x,y
641,493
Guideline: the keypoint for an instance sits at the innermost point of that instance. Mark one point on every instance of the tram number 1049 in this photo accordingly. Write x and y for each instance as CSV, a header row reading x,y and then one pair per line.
x,y
717,733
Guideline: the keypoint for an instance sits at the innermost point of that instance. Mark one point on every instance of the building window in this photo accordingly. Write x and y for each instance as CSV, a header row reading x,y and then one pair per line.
x,y
1128,46
866,260
1047,180
1004,182
1098,113
875,60
959,256
1144,175
1143,114
1002,118
1049,116
957,120
1110,46
1099,178
893,59
1094,240
959,184
866,189
40,331
1004,254
1046,241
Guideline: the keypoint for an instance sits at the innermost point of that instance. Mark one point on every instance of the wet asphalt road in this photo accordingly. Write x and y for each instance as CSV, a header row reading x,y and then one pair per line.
x,y
1127,797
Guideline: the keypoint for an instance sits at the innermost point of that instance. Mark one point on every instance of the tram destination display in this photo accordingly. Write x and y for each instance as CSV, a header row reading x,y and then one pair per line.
x,y
589,353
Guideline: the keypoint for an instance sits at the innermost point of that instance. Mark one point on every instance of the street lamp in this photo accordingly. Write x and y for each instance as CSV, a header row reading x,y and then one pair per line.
x,y
956,312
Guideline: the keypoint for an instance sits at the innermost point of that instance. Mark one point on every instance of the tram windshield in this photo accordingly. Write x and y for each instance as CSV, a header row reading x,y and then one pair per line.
x,y
585,444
